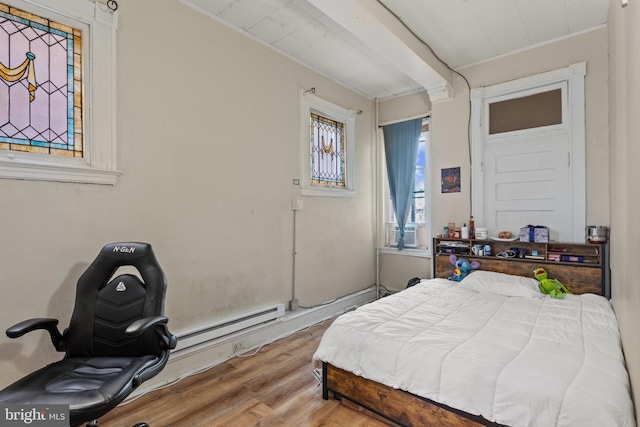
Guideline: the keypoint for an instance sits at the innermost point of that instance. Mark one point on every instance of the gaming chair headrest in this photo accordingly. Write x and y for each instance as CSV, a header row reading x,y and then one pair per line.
x,y
102,311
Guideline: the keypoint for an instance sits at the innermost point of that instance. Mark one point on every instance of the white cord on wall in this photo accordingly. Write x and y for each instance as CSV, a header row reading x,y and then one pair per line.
x,y
293,304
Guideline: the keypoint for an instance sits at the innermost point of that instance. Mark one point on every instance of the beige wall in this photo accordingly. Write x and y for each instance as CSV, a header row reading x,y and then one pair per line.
x,y
624,94
396,269
403,107
208,134
449,118
449,141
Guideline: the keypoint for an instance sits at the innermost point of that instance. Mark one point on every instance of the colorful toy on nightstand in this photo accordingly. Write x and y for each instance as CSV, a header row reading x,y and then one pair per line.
x,y
551,287
462,268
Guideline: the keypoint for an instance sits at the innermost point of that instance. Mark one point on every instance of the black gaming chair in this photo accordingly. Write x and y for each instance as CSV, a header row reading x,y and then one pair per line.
x,y
117,338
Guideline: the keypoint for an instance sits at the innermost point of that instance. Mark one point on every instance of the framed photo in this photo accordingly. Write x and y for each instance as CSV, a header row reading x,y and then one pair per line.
x,y
450,180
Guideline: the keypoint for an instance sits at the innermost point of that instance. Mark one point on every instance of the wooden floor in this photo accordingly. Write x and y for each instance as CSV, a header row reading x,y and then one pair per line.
x,y
275,387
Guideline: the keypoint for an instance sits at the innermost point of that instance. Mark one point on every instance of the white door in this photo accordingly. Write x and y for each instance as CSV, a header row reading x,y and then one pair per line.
x,y
527,181
528,176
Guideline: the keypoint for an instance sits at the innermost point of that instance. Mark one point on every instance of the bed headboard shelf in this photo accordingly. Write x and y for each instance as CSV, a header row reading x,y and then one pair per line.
x,y
582,267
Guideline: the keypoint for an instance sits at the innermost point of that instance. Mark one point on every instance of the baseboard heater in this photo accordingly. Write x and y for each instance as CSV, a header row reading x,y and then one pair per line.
x,y
205,333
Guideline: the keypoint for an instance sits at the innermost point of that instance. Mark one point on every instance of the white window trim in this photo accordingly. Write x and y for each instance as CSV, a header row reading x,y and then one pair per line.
x,y
414,252
310,103
98,166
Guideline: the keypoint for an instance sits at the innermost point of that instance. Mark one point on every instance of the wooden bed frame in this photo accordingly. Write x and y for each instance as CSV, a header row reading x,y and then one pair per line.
x,y
406,409
398,406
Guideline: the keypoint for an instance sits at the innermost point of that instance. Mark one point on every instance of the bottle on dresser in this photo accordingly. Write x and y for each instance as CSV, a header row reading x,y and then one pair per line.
x,y
464,232
472,228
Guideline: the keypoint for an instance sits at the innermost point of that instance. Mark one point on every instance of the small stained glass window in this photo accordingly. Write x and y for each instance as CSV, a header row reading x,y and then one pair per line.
x,y
40,85
327,151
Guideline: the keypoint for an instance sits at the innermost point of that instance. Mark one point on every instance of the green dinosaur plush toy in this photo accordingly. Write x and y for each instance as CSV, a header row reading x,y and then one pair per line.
x,y
551,287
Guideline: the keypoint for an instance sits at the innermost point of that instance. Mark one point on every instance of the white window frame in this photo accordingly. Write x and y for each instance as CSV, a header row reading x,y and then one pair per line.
x,y
98,164
312,104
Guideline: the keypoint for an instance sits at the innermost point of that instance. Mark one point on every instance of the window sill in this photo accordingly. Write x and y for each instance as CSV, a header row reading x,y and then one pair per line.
x,y
327,192
415,252
44,171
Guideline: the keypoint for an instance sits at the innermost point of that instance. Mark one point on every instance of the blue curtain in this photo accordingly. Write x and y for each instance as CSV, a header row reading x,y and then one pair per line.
x,y
401,151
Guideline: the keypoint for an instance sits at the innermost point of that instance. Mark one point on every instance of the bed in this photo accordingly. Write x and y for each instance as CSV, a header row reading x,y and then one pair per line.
x,y
490,350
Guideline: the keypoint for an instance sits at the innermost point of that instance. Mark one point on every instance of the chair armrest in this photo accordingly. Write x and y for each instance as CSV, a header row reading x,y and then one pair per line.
x,y
159,324
50,325
141,325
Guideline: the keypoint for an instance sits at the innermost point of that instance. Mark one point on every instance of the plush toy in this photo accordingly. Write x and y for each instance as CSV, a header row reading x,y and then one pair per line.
x,y
462,268
552,287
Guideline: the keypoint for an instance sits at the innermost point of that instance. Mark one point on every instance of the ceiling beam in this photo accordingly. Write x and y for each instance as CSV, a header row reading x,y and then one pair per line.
x,y
377,28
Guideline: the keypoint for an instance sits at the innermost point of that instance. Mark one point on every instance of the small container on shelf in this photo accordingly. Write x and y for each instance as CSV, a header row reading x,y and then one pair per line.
x,y
487,250
481,233
477,250
572,258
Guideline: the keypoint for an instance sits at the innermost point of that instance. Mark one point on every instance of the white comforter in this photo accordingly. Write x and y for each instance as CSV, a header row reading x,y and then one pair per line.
x,y
518,361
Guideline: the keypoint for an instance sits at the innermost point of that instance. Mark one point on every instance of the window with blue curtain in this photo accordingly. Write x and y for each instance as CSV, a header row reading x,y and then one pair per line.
x,y
401,147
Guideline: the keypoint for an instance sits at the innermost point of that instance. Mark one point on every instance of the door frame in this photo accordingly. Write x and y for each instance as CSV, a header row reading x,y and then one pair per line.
x,y
574,76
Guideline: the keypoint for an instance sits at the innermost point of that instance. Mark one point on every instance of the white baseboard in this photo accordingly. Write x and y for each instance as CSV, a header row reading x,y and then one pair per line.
x,y
195,359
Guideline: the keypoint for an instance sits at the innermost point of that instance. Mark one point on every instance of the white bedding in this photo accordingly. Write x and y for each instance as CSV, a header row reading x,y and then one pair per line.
x,y
518,361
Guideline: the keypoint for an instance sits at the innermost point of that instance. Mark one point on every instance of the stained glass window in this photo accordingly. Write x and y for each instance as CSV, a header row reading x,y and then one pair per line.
x,y
40,85
327,147
327,151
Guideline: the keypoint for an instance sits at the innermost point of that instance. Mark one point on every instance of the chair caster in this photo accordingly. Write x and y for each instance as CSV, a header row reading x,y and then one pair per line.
x,y
141,425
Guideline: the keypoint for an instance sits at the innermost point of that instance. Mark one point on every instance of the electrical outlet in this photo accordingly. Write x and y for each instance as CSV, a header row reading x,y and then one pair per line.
x,y
296,204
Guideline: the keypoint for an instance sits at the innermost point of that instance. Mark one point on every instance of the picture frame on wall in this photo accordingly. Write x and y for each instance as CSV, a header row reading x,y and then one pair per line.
x,y
450,180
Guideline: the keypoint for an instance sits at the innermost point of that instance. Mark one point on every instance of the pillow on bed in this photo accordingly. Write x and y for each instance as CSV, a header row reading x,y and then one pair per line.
x,y
501,284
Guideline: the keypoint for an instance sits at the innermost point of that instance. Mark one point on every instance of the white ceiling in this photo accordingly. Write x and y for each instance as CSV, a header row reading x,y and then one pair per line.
x,y
364,47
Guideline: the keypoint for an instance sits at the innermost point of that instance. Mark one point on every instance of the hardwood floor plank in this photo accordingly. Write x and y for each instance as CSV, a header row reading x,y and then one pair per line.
x,y
248,413
274,387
